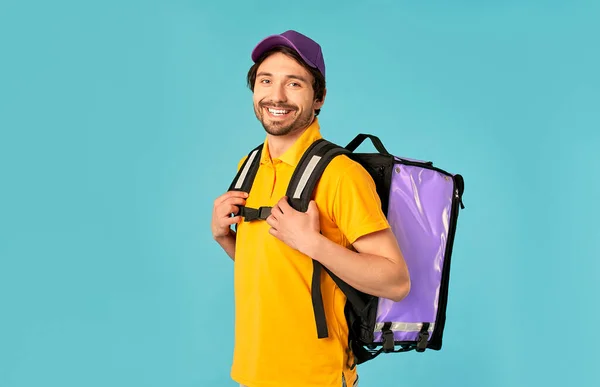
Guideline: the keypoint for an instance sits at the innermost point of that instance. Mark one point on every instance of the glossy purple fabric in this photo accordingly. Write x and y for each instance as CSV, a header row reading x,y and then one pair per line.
x,y
419,213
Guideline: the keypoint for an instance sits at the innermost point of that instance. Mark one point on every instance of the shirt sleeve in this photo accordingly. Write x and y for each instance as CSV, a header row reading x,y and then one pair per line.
x,y
357,207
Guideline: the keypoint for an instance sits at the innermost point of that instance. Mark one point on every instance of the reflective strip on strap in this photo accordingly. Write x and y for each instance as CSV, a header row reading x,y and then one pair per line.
x,y
242,177
404,327
307,172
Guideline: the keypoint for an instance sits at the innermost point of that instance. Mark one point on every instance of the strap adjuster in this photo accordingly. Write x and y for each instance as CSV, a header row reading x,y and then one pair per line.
x,y
388,341
423,336
251,214
387,336
264,212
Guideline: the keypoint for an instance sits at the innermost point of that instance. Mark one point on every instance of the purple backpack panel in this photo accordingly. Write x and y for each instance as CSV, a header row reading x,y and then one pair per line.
x,y
419,211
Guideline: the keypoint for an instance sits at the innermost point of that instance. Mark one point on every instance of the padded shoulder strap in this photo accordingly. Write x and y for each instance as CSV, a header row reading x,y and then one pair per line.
x,y
245,177
309,170
243,182
302,184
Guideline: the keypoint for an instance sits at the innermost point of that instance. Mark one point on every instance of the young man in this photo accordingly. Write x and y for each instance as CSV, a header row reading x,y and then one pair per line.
x,y
276,343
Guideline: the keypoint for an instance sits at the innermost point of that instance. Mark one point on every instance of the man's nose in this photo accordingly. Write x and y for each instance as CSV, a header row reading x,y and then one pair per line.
x,y
278,92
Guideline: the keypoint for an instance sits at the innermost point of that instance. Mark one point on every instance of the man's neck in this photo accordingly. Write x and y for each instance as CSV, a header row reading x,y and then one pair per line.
x,y
278,145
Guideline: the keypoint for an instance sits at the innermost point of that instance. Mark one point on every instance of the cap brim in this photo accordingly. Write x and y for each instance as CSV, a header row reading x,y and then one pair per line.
x,y
273,41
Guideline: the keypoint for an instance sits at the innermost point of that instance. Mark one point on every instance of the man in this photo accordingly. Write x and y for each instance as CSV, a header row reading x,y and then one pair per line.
x,y
276,342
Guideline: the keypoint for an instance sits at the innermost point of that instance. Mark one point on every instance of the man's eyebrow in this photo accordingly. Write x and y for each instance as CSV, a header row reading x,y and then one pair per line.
x,y
289,76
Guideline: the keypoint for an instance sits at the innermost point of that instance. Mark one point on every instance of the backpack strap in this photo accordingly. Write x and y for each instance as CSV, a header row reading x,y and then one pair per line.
x,y
299,192
309,170
243,182
245,176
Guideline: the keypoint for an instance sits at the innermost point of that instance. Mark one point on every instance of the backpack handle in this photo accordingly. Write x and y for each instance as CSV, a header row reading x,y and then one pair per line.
x,y
374,139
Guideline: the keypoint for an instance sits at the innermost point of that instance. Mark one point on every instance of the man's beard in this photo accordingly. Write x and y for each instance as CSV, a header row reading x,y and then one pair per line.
x,y
277,128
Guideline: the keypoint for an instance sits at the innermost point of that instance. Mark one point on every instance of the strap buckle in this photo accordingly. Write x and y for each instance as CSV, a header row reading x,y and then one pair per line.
x,y
264,212
388,340
423,336
251,214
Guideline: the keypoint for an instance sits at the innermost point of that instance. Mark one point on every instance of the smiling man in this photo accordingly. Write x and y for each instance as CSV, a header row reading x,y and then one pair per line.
x,y
276,343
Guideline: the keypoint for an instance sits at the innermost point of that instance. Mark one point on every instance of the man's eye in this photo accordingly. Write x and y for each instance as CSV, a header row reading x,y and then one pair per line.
x,y
264,81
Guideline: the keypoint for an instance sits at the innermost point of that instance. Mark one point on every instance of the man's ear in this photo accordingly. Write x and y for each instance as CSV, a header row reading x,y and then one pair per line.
x,y
319,104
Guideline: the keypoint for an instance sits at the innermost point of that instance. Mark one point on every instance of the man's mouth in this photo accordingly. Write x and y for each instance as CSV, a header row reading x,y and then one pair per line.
x,y
278,112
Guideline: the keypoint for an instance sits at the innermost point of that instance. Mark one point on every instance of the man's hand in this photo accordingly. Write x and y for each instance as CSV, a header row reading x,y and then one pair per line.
x,y
225,205
296,229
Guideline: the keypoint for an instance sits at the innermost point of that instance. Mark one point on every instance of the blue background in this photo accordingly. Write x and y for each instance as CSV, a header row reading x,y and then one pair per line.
x,y
122,121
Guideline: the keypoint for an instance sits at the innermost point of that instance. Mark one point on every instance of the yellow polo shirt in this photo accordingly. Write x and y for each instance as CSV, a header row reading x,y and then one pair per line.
x,y
276,343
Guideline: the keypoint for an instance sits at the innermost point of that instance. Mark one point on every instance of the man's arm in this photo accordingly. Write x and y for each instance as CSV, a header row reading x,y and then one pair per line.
x,y
227,242
377,267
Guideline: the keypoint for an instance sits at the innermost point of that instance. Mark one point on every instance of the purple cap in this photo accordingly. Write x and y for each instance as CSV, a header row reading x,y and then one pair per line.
x,y
307,48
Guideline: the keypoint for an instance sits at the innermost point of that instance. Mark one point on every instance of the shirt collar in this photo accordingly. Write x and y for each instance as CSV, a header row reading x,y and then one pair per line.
x,y
294,153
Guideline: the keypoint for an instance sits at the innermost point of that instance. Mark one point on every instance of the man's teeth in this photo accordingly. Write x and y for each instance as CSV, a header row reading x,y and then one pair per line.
x,y
278,112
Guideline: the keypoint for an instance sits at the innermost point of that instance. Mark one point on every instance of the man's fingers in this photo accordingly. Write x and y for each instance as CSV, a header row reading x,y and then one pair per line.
x,y
283,204
232,210
274,232
228,195
226,222
232,220
239,201
271,221
275,211
227,205
230,206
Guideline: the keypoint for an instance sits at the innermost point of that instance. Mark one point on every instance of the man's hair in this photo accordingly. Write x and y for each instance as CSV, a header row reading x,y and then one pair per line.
x,y
318,79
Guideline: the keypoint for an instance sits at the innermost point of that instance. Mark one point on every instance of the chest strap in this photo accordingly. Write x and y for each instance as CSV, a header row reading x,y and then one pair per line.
x,y
250,213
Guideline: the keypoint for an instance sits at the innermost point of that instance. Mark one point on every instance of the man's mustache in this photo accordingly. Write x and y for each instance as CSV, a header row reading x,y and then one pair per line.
x,y
276,105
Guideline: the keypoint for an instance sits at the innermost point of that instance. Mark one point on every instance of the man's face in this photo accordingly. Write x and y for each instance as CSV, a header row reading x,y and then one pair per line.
x,y
283,95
